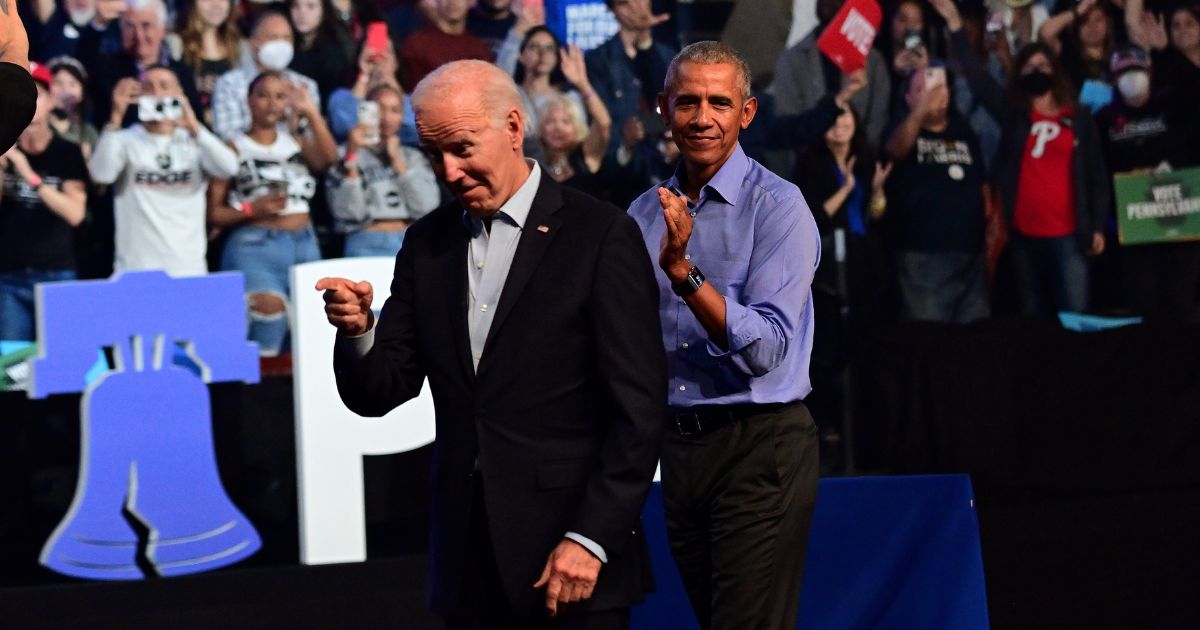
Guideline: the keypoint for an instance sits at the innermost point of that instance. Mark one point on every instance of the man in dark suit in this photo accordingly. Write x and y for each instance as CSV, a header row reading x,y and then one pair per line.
x,y
532,310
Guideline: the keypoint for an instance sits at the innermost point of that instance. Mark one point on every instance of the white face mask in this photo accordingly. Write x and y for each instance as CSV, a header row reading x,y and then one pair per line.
x,y
1134,85
275,54
81,18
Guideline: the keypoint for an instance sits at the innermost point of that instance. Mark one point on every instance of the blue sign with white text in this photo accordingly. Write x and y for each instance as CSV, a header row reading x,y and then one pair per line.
x,y
149,499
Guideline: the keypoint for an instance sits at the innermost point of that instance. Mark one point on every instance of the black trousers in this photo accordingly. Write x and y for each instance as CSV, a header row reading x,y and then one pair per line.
x,y
486,607
739,503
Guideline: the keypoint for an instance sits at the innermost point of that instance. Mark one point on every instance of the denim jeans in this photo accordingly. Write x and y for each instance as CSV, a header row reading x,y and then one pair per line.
x,y
948,287
373,243
1053,267
16,301
265,256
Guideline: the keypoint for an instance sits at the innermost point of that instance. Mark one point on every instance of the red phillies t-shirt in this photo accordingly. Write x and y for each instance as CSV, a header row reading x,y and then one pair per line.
x,y
1045,189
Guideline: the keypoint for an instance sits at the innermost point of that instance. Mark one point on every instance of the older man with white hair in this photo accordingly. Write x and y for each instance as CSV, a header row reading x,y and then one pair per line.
x,y
143,26
532,310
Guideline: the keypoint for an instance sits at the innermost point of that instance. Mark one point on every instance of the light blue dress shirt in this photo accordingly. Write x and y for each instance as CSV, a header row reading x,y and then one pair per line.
x,y
755,240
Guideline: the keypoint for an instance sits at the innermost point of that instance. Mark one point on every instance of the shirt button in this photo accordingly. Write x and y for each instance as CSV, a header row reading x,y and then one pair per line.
x,y
687,256
684,346
479,264
683,388
483,308
692,214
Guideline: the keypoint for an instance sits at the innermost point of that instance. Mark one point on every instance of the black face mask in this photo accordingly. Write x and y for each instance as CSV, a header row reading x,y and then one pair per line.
x,y
1036,83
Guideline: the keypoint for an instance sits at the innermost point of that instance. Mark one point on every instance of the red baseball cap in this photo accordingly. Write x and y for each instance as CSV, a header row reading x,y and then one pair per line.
x,y
40,73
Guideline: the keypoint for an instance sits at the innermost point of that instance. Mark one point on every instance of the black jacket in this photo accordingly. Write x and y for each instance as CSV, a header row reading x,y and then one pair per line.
x,y
1092,183
565,414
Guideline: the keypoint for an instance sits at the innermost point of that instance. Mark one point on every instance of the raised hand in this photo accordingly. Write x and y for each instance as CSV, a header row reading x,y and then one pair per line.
x,y
851,84
881,174
125,93
347,304
530,13
949,12
673,256
573,67
847,168
569,576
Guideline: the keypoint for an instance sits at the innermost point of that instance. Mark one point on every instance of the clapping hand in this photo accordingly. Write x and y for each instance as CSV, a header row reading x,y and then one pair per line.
x,y
673,256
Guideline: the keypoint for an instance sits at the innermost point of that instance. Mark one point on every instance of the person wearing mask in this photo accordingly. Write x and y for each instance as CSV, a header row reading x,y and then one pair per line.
x,y
443,40
271,49
1085,49
143,27
1050,171
211,45
804,76
628,70
159,170
68,89
267,202
1141,132
378,189
935,206
324,48
43,197
1174,45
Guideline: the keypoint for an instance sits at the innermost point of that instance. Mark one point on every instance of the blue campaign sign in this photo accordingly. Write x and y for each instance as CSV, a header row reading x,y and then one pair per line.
x,y
584,23
149,497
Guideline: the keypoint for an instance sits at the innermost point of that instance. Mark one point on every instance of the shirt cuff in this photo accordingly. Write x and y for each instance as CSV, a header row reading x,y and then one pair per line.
x,y
737,331
588,544
357,346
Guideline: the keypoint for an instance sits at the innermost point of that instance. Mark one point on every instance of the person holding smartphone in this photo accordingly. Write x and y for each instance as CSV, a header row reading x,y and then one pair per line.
x,y
935,204
380,186
267,202
159,170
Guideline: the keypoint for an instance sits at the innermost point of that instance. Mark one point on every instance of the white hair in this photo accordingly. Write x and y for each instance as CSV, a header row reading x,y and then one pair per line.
x,y
495,88
574,114
160,9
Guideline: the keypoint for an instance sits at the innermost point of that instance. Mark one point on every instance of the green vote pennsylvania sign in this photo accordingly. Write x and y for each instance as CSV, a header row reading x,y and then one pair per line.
x,y
1156,208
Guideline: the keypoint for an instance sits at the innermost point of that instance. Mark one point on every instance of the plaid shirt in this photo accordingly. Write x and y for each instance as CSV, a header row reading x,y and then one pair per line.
x,y
231,113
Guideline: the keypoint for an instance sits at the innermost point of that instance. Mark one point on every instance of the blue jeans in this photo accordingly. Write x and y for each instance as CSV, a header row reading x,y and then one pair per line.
x,y
948,287
16,301
1053,267
265,256
373,243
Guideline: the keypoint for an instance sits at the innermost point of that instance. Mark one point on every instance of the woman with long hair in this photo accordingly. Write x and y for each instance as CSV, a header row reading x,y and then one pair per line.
x,y
1174,44
324,48
211,45
1053,183
267,202
539,74
381,186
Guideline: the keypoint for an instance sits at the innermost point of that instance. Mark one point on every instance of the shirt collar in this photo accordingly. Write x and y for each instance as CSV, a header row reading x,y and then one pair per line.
x,y
727,182
516,209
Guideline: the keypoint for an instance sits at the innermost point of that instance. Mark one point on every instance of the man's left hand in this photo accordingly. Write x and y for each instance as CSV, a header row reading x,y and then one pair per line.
x,y
673,257
570,575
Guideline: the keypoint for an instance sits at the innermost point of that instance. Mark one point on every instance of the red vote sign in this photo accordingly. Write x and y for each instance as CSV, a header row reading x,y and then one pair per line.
x,y
847,39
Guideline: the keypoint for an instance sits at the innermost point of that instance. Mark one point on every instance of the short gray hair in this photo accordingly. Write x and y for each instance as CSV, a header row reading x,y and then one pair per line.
x,y
496,89
160,8
710,52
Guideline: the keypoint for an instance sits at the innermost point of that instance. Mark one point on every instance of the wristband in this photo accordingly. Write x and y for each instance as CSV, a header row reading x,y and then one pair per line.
x,y
247,209
350,159
35,181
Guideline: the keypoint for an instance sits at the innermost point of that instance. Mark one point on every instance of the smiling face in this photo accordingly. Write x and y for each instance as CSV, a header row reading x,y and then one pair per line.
x,y
475,154
558,129
268,101
142,34
391,112
705,108
842,130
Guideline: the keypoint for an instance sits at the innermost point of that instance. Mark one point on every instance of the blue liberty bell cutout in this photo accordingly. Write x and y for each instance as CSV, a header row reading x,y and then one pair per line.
x,y
149,497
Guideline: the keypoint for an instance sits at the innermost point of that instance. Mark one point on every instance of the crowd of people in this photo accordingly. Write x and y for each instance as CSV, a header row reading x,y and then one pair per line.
x,y
965,170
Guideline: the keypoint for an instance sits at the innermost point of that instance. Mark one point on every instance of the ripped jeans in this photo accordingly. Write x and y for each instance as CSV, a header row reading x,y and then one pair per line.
x,y
265,256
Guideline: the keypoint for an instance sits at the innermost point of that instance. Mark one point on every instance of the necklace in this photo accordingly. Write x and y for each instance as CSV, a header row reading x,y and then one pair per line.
x,y
559,168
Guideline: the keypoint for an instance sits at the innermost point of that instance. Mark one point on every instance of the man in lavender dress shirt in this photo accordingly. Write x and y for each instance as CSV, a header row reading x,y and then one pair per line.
x,y
739,467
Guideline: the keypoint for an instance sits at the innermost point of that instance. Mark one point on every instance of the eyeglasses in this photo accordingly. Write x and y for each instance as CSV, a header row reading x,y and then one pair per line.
x,y
545,48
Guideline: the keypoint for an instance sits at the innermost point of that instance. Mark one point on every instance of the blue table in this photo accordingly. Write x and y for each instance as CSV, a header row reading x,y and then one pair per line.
x,y
883,552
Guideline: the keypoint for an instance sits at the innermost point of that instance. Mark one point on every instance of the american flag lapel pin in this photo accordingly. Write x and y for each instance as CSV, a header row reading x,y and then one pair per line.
x,y
543,228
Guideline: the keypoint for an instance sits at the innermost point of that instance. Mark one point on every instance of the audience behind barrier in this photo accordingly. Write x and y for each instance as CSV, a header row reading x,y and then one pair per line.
x,y
929,242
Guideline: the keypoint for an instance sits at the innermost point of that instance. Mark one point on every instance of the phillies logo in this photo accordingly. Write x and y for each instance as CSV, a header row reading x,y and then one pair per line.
x,y
1046,131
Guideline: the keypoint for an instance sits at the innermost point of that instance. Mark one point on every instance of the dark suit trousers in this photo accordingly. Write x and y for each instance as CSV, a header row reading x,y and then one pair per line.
x,y
485,607
739,503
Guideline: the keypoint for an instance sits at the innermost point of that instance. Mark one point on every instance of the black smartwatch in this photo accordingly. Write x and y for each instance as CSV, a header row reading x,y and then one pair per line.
x,y
690,284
